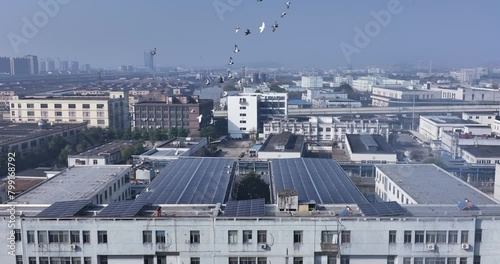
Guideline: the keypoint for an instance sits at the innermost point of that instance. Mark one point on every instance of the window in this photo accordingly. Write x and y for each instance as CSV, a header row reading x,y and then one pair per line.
x,y
327,236
76,260
17,235
243,121
86,114
391,259
435,260
477,260
86,236
331,260
345,237
407,237
418,261
262,260
42,237
232,237
57,105
430,237
161,260
19,259
451,261
297,237
243,114
298,260
441,237
392,236
44,106
233,260
100,106
87,260
43,260
345,260
195,260
463,260
247,236
194,237
71,113
32,260
31,113
58,113
94,162
147,237
30,105
31,237
406,260
75,236
452,237
261,236
243,107
464,237
86,106
419,237
101,122
72,106
102,237
102,260
160,237
148,260
478,237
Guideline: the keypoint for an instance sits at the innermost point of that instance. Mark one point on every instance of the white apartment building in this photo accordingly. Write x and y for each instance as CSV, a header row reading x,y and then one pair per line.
x,y
454,142
364,84
312,82
99,111
326,129
470,93
247,112
366,148
483,118
495,127
469,75
481,155
388,95
432,127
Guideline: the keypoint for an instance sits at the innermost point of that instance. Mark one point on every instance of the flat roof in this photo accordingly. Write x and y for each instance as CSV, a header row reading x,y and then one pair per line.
x,y
429,184
321,180
15,132
106,149
284,142
483,151
75,183
365,143
181,142
449,120
193,181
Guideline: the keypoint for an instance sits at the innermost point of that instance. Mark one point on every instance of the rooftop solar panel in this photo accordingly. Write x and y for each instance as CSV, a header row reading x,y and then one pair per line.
x,y
383,209
321,180
64,209
255,207
115,209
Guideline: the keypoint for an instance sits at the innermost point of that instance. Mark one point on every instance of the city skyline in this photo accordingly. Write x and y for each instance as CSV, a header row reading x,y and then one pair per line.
x,y
308,36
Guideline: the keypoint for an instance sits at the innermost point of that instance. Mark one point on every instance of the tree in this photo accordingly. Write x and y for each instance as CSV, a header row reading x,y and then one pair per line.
x,y
173,132
182,132
416,155
252,186
208,132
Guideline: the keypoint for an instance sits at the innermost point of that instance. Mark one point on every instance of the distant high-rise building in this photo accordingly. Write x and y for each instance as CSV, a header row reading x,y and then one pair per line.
x,y
263,77
127,68
148,61
5,65
20,66
43,66
64,66
256,78
33,64
75,67
51,66
312,81
87,67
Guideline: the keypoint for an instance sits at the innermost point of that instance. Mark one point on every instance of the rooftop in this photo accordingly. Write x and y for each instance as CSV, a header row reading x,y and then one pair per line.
x,y
11,133
429,184
319,180
76,183
483,151
284,142
449,120
106,149
193,181
372,144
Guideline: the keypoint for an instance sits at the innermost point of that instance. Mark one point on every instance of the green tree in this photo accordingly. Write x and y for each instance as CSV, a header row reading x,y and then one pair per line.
x,y
251,186
63,156
208,132
173,132
416,155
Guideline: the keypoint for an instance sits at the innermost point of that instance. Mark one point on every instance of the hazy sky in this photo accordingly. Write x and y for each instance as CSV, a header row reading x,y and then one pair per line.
x,y
191,32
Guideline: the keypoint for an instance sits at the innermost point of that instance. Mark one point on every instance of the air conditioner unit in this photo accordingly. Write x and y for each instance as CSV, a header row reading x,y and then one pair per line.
x,y
465,246
263,246
73,247
431,247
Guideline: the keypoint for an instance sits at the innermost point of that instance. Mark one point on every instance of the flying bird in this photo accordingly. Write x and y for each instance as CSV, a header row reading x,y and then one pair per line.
x,y
229,75
200,117
259,0
287,5
207,82
153,52
237,29
221,79
262,27
236,49
283,14
231,62
247,32
275,26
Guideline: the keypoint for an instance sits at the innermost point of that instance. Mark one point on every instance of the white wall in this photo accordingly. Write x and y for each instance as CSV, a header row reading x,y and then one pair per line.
x,y
235,110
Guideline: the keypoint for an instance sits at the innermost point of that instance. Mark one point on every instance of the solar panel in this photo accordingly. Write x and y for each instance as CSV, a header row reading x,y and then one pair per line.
x,y
255,207
64,209
383,209
115,209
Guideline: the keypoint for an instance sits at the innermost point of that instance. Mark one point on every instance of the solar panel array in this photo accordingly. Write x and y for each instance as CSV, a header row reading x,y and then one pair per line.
x,y
255,207
383,209
64,209
321,180
192,181
128,208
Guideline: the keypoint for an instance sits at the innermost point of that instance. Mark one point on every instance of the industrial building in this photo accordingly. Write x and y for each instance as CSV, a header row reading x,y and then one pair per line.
x,y
433,127
283,145
316,215
365,148
106,154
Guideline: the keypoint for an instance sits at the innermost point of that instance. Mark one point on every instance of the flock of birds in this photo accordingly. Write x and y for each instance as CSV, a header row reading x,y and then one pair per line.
x,y
274,27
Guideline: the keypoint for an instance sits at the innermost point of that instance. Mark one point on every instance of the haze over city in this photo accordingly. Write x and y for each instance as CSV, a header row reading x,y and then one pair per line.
x,y
193,33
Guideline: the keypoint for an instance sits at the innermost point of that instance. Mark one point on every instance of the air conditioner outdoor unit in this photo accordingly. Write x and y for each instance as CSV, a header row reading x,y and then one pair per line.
x,y
465,246
431,247
73,247
263,246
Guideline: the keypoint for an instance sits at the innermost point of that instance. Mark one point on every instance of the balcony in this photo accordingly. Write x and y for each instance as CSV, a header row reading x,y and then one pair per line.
x,y
329,247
